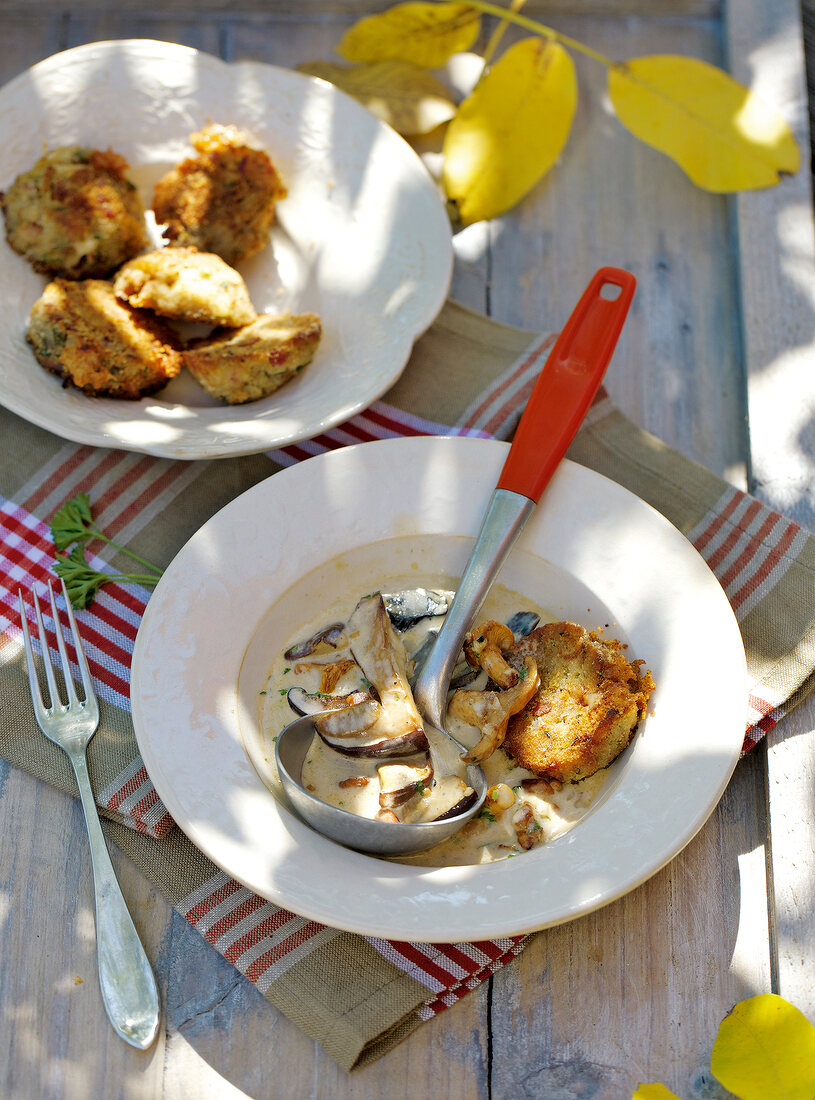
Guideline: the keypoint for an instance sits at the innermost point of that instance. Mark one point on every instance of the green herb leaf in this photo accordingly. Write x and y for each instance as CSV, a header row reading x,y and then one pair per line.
x,y
82,581
73,522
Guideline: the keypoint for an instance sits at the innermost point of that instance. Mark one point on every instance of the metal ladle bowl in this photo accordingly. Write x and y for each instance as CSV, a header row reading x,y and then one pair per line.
x,y
385,838
556,408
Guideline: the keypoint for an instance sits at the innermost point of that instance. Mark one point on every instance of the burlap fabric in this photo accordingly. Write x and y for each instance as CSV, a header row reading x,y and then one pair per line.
x,y
357,997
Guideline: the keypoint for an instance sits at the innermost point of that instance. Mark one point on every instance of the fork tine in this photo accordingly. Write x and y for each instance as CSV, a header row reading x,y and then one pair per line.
x,y
33,682
91,704
45,651
63,653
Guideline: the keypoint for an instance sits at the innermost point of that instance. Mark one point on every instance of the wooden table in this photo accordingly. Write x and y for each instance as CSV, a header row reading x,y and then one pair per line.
x,y
716,360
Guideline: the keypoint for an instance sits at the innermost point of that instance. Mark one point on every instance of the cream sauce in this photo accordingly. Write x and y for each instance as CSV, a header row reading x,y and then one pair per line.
x,y
534,817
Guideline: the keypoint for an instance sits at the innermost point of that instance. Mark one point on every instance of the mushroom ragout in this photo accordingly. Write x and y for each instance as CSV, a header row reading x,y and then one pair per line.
x,y
371,754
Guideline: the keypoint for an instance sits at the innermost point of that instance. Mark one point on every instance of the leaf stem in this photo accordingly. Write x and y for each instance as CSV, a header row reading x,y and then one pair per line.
x,y
97,534
539,28
498,34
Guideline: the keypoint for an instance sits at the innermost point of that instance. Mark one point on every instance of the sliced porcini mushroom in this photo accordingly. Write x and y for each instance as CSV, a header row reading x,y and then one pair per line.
x,y
448,796
329,637
304,702
348,721
398,783
490,711
380,654
411,605
373,745
541,786
483,649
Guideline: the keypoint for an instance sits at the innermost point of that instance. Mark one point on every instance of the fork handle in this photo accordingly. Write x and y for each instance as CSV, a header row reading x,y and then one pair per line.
x,y
125,976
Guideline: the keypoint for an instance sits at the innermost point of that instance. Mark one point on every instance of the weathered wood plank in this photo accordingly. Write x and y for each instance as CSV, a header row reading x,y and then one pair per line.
x,y
613,200
777,249
318,9
580,1008
56,1041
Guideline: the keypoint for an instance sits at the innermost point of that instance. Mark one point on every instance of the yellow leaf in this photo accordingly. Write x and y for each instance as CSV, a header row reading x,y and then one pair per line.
x,y
511,130
406,97
653,1092
765,1050
426,34
719,132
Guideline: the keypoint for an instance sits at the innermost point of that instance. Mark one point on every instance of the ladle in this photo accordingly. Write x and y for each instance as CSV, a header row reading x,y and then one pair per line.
x,y
556,407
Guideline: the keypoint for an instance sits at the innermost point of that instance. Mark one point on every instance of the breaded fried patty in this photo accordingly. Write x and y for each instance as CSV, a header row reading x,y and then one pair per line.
x,y
186,284
239,365
223,200
587,707
83,333
75,214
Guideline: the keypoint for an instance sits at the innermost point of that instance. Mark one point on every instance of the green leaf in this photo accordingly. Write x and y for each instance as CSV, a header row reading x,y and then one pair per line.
x,y
72,522
765,1050
406,97
719,132
511,130
81,581
426,34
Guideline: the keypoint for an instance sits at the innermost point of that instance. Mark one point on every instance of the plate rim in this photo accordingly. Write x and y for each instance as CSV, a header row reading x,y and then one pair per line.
x,y
442,887
401,347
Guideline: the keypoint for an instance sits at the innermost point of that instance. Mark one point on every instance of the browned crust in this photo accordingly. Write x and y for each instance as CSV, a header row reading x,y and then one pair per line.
x,y
587,707
249,363
75,214
81,332
222,200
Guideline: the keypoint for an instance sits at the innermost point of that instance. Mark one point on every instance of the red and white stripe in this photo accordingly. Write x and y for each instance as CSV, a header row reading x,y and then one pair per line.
x,y
748,546
262,940
108,635
380,421
126,488
496,411
132,795
441,967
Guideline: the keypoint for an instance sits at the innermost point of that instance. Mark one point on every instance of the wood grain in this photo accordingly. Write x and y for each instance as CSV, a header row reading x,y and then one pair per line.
x,y
635,991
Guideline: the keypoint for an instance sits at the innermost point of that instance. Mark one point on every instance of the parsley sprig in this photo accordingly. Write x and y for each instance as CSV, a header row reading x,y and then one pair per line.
x,y
73,526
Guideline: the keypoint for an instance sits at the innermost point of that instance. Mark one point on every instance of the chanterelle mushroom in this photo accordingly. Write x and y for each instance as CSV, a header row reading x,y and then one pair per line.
x,y
490,711
483,649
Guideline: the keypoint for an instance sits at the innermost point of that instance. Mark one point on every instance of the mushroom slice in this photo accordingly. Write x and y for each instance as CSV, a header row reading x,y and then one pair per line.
x,y
372,744
398,783
483,649
306,702
523,623
490,711
449,795
330,636
527,830
348,721
411,605
380,654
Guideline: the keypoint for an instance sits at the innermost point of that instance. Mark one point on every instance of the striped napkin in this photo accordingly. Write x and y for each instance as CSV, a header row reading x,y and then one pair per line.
x,y
357,996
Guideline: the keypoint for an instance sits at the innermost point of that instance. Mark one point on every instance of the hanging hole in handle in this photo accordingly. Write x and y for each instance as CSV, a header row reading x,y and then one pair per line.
x,y
610,291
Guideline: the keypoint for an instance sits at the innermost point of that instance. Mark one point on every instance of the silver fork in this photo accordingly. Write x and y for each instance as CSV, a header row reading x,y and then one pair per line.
x,y
125,977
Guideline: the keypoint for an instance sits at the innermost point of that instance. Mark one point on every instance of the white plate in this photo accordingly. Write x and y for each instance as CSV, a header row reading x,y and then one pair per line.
x,y
588,540
362,238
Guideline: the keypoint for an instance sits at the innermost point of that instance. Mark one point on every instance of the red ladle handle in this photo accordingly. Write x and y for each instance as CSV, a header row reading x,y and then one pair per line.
x,y
567,384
